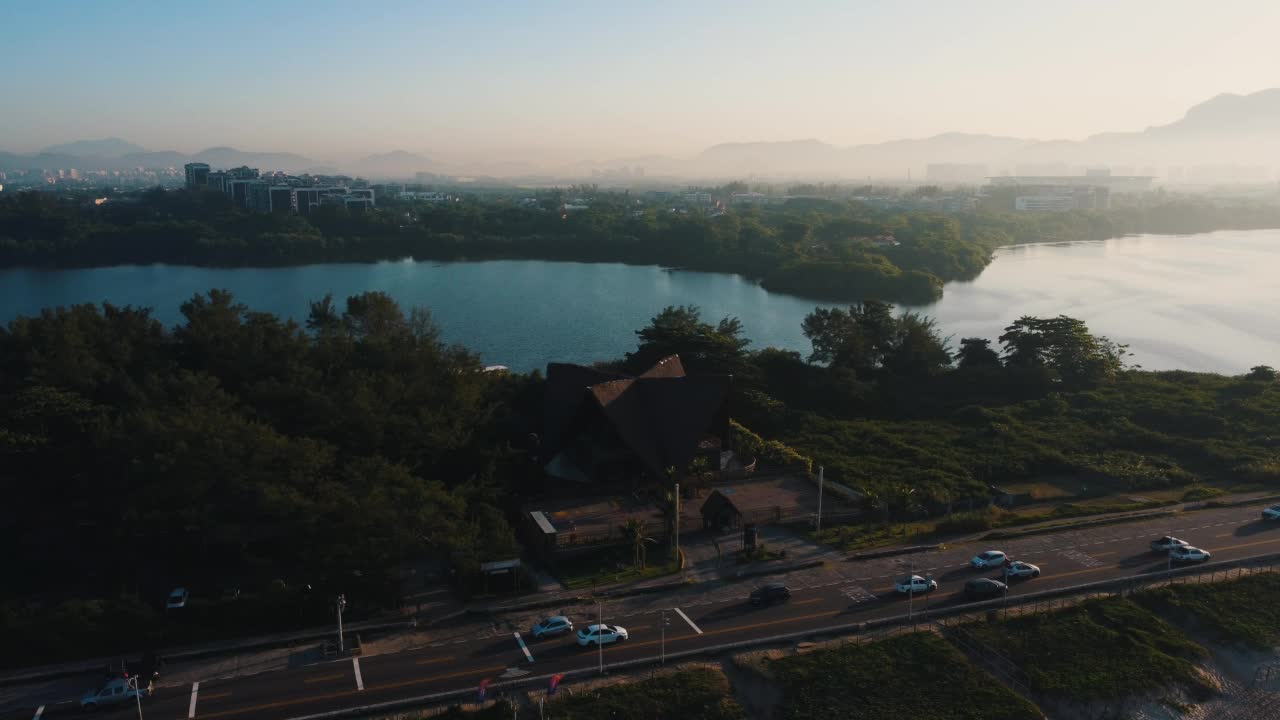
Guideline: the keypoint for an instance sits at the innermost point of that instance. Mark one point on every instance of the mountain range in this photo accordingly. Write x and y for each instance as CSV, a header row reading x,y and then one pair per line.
x,y
1225,130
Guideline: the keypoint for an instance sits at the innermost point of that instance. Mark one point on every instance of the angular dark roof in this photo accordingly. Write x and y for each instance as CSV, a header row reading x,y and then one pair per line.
x,y
660,415
718,501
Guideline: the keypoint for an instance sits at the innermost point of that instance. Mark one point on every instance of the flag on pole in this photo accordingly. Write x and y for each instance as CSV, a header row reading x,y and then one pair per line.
x,y
554,683
484,687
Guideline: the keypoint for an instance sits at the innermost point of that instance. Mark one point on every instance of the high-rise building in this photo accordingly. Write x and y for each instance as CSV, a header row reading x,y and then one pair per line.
x,y
197,175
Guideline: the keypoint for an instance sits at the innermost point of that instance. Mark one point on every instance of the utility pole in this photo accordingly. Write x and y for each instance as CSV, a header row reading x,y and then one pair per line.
x,y
911,594
342,605
600,634
820,484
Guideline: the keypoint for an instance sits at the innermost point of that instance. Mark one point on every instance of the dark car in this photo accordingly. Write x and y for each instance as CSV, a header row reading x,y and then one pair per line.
x,y
773,592
981,588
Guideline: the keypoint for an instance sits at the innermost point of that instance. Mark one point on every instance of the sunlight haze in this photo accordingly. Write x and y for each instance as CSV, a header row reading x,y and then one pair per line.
x,y
577,80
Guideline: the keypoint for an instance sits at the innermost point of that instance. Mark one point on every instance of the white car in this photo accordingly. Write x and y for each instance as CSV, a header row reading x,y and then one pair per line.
x,y
551,626
1167,543
177,599
1186,553
1019,569
1271,513
988,559
601,635
916,585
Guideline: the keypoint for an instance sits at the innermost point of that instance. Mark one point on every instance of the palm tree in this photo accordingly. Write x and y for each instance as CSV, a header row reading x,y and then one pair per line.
x,y
634,532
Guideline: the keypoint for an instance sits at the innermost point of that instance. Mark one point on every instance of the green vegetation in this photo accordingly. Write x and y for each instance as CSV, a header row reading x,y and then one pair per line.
x,y
813,247
236,449
606,565
919,676
1238,611
1098,650
693,694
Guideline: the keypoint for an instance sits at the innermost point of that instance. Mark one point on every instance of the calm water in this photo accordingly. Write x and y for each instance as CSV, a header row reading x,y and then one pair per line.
x,y
1202,302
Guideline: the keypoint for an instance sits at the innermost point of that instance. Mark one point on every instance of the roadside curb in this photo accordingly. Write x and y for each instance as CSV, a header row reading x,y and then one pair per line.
x,y
892,551
1012,534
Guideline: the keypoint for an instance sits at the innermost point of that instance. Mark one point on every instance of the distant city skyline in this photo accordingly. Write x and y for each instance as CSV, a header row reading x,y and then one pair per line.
x,y
574,81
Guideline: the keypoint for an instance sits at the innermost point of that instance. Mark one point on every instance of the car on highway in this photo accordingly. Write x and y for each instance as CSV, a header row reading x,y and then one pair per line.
x,y
771,593
177,599
1187,554
916,584
983,588
1167,543
114,692
1271,513
1018,570
553,625
601,635
988,559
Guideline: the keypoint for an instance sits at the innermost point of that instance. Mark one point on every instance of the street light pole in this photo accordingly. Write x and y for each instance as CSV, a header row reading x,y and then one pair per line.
x,y
342,605
137,693
663,656
911,594
600,634
678,531
820,484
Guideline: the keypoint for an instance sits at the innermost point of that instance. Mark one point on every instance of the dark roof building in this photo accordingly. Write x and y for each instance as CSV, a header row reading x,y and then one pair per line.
x,y
605,426
720,513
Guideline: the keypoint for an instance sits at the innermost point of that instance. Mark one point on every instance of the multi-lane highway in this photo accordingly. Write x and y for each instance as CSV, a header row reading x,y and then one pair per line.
x,y
839,594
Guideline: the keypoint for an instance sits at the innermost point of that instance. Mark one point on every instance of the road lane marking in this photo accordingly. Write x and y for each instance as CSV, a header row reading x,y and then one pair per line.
x,y
1109,552
686,619
195,689
524,648
1245,545
478,672
322,678
215,696
355,663
807,602
433,661
39,712
1222,535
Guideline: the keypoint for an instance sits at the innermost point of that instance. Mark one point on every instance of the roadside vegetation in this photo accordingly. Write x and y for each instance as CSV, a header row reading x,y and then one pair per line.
x,y
699,693
1100,650
1243,611
919,676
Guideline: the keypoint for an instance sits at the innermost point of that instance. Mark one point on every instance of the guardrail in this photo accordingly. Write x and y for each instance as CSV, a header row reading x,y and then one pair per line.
x,y
951,617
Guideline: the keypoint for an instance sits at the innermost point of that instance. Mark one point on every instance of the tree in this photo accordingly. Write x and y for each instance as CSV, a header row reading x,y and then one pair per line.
x,y
1064,345
867,338
702,347
977,353
1262,372
633,532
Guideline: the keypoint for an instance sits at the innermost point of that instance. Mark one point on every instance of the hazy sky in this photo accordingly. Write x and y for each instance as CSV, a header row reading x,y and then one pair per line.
x,y
611,79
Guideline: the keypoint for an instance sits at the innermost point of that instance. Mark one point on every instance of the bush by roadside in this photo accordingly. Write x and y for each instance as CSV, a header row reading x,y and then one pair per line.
x,y
700,693
1242,611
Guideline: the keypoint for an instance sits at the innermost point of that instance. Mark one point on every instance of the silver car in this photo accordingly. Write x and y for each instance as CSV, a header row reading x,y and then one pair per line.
x,y
1018,570
553,625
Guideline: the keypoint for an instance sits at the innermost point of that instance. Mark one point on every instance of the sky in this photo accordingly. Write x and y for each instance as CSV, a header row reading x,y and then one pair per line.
x,y
605,79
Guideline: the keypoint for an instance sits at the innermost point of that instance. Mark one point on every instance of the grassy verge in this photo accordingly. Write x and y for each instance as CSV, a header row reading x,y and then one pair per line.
x,y
1098,650
694,694
607,565
1238,611
919,676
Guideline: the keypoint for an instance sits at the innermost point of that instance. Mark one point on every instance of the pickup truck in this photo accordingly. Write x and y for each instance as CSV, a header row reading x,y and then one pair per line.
x,y
117,691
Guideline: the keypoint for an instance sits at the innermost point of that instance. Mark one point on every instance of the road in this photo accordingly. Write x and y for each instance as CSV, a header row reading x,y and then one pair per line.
x,y
849,592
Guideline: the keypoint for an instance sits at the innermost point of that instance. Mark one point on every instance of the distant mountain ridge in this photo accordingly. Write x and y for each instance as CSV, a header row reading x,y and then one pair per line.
x,y
1226,129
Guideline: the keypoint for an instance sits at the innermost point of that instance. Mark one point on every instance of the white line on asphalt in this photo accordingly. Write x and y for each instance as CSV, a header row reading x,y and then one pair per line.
x,y
355,663
39,712
528,655
686,619
195,689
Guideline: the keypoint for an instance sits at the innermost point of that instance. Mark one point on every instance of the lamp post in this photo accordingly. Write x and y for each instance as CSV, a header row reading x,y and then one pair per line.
x,y
677,533
820,484
663,657
341,605
132,684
